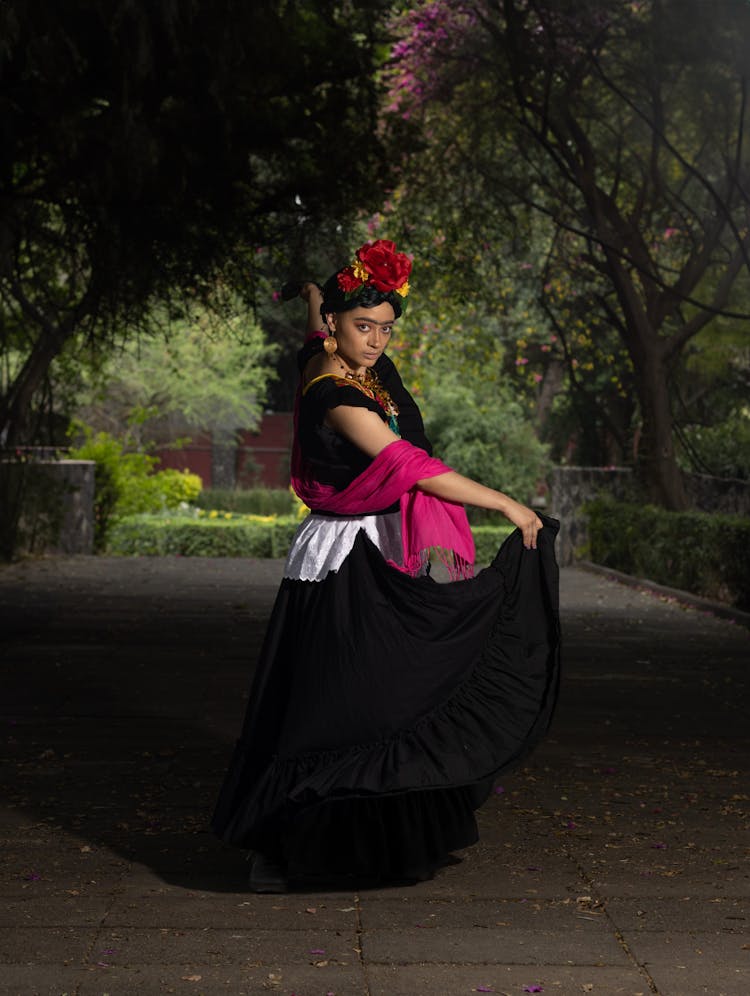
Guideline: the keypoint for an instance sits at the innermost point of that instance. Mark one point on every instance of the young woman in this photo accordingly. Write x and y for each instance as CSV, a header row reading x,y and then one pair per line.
x,y
384,704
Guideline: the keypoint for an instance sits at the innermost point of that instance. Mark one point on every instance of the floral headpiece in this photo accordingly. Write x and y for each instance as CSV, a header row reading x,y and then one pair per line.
x,y
376,263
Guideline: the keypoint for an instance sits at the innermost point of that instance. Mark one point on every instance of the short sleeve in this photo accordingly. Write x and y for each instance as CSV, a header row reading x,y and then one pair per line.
x,y
331,392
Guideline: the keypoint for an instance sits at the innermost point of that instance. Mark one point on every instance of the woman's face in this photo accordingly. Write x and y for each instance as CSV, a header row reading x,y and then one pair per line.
x,y
362,334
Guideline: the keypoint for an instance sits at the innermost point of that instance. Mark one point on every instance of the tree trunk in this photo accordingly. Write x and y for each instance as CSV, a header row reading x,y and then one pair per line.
x,y
16,405
550,388
657,462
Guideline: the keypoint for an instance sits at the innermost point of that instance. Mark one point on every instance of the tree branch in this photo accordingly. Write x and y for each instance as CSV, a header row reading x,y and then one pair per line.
x,y
685,163
675,342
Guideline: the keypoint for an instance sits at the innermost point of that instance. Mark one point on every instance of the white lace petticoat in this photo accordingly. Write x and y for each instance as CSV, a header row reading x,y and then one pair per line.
x,y
322,543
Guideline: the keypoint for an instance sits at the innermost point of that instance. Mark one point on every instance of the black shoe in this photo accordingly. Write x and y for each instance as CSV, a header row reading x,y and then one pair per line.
x,y
266,875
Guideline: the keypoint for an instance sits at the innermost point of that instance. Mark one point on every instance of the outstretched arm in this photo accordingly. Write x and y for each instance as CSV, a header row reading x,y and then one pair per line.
x,y
368,432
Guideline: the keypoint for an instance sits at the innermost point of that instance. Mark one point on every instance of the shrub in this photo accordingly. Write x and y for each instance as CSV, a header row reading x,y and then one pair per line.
x,y
169,489
486,435
695,551
228,534
126,484
223,535
721,450
254,501
488,539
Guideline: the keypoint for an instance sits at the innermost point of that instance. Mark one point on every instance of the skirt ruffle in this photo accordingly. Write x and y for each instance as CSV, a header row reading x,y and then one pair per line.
x,y
383,708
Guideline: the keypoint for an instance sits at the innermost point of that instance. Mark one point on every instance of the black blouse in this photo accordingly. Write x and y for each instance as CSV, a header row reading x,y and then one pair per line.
x,y
333,458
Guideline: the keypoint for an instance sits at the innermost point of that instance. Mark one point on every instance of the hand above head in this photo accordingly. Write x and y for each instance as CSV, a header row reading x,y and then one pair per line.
x,y
309,289
312,295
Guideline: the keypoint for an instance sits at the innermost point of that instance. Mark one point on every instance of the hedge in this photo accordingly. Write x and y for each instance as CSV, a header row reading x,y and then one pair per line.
x,y
250,501
705,554
126,483
488,539
226,534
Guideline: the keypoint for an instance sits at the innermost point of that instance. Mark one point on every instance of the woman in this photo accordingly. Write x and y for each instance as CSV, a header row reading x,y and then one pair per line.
x,y
384,704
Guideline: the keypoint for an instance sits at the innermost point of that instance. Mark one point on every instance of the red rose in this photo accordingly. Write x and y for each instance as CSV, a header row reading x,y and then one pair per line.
x,y
388,269
347,281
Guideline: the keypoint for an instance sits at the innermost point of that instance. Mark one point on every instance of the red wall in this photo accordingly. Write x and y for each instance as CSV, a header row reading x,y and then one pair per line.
x,y
269,448
194,456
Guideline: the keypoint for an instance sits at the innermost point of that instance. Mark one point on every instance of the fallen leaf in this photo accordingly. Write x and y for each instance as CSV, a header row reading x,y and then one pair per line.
x,y
191,978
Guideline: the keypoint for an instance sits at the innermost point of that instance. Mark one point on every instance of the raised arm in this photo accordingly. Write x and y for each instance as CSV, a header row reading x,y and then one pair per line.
x,y
368,432
310,293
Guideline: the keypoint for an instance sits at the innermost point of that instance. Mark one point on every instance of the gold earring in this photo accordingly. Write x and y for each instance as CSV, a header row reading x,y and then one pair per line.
x,y
330,345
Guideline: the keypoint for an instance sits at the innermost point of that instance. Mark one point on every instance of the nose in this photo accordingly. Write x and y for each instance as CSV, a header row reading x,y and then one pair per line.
x,y
375,338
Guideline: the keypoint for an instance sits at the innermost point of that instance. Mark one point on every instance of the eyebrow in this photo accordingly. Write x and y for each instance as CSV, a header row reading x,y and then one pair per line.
x,y
372,321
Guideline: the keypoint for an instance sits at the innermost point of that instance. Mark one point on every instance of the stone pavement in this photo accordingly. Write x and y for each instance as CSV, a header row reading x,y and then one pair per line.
x,y
615,862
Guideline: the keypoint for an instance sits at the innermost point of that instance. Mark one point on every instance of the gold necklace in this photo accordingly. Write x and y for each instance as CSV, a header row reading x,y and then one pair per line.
x,y
370,384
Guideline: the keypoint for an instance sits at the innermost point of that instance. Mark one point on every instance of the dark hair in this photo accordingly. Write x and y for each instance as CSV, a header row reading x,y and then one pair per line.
x,y
334,299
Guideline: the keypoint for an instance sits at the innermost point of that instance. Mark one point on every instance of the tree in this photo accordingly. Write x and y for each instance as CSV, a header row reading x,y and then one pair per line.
x,y
623,125
207,371
484,433
146,147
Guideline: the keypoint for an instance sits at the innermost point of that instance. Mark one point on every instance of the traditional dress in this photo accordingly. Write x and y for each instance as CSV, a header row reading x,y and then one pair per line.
x,y
384,704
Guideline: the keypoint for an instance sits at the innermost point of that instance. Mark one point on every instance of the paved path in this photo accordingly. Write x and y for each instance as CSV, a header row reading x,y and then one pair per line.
x,y
615,862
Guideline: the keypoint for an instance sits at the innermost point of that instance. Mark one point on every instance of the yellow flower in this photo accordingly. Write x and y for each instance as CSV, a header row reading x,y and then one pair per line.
x,y
403,290
227,515
213,514
360,272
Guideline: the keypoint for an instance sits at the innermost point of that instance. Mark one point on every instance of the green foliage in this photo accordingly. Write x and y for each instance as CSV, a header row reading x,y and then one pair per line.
x,y
208,370
595,145
148,148
229,534
488,539
722,450
125,482
714,386
163,489
158,536
694,551
487,438
254,501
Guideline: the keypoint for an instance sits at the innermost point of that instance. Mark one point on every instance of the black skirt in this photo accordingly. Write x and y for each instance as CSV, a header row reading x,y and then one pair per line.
x,y
384,706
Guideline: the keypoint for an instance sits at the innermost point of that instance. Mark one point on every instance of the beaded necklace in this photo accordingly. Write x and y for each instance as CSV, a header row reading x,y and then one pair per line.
x,y
369,383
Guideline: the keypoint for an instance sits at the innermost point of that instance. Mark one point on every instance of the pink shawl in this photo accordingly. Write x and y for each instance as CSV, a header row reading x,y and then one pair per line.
x,y
426,522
